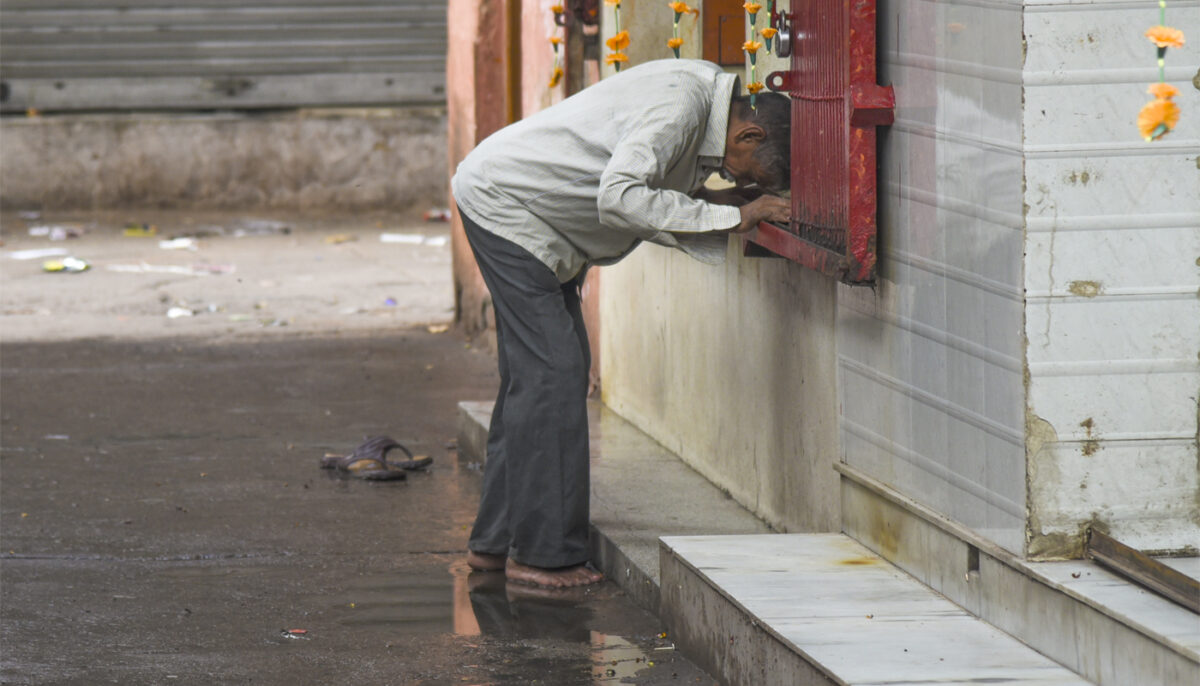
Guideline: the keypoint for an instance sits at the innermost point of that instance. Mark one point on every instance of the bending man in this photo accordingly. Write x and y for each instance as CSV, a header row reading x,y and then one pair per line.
x,y
583,183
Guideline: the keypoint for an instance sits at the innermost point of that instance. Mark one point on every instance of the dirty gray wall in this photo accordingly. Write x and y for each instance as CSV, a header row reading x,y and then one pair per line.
x,y
733,369
386,159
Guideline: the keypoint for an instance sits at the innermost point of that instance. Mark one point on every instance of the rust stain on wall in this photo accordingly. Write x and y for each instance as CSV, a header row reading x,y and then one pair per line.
x,y
1085,289
1090,445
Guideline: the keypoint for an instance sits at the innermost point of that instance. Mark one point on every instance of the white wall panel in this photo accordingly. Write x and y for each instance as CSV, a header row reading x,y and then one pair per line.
x,y
931,363
1112,314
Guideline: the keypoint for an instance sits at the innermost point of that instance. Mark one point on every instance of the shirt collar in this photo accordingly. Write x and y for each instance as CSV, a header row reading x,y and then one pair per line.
x,y
713,144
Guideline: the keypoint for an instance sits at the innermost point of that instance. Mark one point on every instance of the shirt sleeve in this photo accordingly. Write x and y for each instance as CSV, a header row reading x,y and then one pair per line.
x,y
631,195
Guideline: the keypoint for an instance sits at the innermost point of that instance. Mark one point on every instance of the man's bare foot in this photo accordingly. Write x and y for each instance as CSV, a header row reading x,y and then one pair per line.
x,y
565,577
483,562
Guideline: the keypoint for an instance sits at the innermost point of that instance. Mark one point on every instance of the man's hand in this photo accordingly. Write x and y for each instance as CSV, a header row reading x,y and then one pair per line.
x,y
765,208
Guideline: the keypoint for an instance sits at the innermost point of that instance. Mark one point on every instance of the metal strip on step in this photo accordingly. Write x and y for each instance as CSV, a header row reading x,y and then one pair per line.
x,y
1143,569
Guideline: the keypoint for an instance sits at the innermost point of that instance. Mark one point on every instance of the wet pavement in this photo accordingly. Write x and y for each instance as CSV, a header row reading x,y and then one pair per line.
x,y
163,520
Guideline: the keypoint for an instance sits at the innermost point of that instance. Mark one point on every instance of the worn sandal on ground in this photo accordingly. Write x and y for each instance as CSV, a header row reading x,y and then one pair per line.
x,y
369,461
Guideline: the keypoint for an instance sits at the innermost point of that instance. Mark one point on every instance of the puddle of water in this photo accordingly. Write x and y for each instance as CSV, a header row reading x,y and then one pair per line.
x,y
483,604
614,659
590,635
401,602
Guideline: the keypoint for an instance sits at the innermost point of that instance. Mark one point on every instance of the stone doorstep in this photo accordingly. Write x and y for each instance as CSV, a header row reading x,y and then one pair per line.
x,y
640,492
787,609
1103,627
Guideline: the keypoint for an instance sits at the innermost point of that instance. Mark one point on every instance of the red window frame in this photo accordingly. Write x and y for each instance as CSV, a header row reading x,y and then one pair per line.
x,y
836,107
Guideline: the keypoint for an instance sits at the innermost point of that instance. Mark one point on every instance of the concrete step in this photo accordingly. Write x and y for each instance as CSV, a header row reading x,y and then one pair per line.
x,y
640,491
1099,625
793,609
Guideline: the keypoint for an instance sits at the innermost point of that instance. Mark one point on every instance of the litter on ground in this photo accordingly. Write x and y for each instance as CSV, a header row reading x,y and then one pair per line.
x,y
57,232
413,239
68,265
409,238
183,243
133,230
193,270
36,253
259,227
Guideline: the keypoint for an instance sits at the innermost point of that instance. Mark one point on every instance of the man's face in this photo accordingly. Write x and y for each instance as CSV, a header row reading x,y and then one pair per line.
x,y
744,170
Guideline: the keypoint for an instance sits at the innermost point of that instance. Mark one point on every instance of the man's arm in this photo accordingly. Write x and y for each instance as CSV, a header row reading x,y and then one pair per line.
x,y
631,196
753,205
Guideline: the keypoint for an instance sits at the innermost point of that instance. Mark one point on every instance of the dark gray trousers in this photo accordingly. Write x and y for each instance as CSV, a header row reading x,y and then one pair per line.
x,y
534,506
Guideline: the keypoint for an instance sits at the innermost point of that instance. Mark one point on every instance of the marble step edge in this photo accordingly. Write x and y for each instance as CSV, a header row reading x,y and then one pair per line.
x,y
1103,643
725,600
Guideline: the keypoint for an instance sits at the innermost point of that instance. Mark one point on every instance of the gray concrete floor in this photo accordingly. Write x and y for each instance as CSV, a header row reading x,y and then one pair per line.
x,y
163,519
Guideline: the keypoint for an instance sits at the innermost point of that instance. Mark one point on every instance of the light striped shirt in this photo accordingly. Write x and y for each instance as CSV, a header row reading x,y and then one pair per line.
x,y
583,181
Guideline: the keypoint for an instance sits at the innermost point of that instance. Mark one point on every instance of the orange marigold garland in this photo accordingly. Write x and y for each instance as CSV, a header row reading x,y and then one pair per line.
x,y
556,73
752,47
768,33
619,41
680,8
1159,116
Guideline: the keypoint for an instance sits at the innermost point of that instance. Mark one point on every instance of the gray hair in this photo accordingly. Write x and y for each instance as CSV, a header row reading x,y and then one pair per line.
x,y
773,112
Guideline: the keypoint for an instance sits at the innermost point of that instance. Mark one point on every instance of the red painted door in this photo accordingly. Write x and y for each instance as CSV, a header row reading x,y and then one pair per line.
x,y
836,107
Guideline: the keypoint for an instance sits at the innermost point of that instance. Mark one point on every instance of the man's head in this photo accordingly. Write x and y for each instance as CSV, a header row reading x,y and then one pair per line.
x,y
758,144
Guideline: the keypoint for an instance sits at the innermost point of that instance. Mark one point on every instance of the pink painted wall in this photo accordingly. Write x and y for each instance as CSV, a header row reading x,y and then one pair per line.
x,y
475,101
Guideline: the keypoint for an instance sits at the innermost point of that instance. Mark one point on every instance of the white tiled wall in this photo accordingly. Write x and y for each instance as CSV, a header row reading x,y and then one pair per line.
x,y
1024,226
1112,277
931,363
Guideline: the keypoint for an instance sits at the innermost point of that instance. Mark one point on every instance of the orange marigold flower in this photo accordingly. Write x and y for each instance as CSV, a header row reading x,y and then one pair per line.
x,y
555,77
752,7
1162,91
557,9
682,8
1165,36
618,42
615,3
755,87
1156,114
674,43
616,57
752,46
556,40
768,33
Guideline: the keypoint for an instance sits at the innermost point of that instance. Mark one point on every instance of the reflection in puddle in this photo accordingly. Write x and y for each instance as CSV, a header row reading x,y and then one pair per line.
x,y
614,658
562,631
488,604
401,603
507,610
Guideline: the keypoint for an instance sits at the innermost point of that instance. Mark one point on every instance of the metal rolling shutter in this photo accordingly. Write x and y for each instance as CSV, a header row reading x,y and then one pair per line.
x,y
219,54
